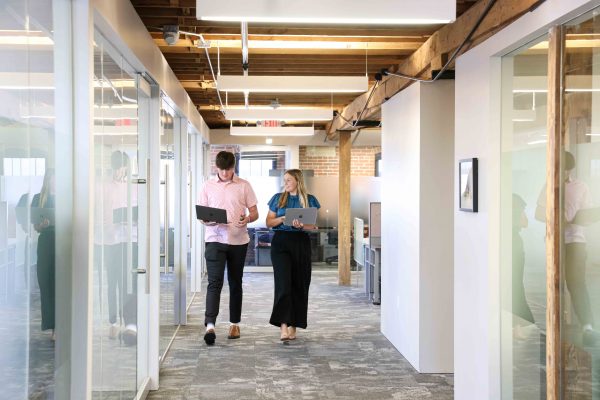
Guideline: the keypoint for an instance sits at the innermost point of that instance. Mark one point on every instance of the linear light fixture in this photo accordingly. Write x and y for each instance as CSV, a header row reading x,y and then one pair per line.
x,y
293,84
21,87
271,132
392,12
279,114
26,41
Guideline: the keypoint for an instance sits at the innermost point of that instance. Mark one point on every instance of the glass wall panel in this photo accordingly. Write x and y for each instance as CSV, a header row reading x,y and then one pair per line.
x,y
523,253
580,297
115,225
190,216
35,286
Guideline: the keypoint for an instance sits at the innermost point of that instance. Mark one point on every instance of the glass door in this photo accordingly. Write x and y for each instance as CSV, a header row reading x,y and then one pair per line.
x,y
120,154
523,251
580,193
168,324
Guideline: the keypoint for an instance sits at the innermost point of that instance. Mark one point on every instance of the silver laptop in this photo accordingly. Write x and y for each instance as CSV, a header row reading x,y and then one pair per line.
x,y
307,216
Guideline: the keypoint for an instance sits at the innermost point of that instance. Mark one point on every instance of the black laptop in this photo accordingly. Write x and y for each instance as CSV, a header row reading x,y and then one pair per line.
x,y
210,214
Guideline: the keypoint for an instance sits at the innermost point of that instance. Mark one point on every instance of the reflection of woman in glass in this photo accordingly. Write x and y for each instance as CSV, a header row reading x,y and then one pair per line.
x,y
45,251
519,301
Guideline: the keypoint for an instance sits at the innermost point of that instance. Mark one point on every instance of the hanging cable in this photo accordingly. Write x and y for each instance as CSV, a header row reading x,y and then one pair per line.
x,y
213,75
206,45
456,52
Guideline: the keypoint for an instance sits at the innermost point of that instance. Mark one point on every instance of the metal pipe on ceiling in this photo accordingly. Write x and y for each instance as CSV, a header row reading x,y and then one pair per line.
x,y
245,47
245,63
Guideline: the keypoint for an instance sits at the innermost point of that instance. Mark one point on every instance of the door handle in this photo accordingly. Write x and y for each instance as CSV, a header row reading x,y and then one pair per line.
x,y
148,225
166,254
141,270
140,181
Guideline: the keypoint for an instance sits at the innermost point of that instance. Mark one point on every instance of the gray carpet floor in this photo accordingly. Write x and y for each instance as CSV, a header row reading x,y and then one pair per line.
x,y
342,354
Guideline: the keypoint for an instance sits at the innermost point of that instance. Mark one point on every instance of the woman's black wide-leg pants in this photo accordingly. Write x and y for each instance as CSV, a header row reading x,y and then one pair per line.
x,y
291,258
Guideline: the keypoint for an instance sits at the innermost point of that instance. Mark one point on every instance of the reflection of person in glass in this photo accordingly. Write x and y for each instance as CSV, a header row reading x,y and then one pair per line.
x,y
121,284
519,301
291,256
578,213
46,267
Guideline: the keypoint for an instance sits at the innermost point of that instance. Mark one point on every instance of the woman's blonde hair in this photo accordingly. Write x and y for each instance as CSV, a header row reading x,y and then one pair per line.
x,y
297,175
45,192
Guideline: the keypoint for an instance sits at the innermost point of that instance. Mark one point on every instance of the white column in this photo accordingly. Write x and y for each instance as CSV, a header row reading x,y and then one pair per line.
x,y
83,201
417,225
292,159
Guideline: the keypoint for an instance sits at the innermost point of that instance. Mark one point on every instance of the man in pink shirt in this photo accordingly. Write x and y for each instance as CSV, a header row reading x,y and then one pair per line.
x,y
226,243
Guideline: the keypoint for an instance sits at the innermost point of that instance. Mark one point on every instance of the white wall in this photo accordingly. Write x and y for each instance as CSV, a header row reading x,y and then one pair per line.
x,y
417,146
437,226
476,247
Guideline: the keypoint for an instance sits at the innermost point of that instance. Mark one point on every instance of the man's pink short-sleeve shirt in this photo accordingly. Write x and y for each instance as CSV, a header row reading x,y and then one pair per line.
x,y
236,197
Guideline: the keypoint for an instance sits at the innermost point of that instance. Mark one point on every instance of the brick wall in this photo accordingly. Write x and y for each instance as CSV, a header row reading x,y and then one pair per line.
x,y
215,149
324,160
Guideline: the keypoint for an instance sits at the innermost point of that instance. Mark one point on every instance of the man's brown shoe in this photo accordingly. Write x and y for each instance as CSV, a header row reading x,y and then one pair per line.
x,y
234,332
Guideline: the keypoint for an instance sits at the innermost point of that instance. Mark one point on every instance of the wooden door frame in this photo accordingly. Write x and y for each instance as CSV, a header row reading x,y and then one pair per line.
x,y
556,133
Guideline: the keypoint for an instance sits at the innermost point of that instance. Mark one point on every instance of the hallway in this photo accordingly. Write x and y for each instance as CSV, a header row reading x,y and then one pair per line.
x,y
342,354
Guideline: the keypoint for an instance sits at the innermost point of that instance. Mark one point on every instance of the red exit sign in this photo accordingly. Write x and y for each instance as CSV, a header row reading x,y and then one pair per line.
x,y
269,124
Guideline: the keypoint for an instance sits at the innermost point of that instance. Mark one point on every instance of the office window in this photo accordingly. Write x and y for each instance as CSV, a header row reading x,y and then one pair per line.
x,y
256,167
24,167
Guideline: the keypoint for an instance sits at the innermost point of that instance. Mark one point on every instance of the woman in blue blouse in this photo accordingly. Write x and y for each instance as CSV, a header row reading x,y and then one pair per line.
x,y
46,257
290,254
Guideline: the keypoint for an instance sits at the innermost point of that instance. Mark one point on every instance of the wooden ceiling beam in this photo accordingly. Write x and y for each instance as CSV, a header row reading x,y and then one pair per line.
x,y
441,43
194,25
308,38
254,45
213,51
197,61
326,58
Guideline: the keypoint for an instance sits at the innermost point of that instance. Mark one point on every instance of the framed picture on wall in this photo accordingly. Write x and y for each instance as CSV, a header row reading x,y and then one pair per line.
x,y
467,185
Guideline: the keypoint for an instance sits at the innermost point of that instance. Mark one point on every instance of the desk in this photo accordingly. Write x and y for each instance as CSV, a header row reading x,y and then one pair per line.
x,y
372,259
262,246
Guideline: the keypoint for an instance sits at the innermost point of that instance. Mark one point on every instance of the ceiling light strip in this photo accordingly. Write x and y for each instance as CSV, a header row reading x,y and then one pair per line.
x,y
280,114
393,12
293,84
279,131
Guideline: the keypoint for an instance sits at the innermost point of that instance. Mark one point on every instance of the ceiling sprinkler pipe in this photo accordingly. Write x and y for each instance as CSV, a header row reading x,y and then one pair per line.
x,y
245,63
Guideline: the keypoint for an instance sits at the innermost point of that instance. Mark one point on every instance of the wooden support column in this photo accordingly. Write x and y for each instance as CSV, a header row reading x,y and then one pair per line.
x,y
344,222
553,214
